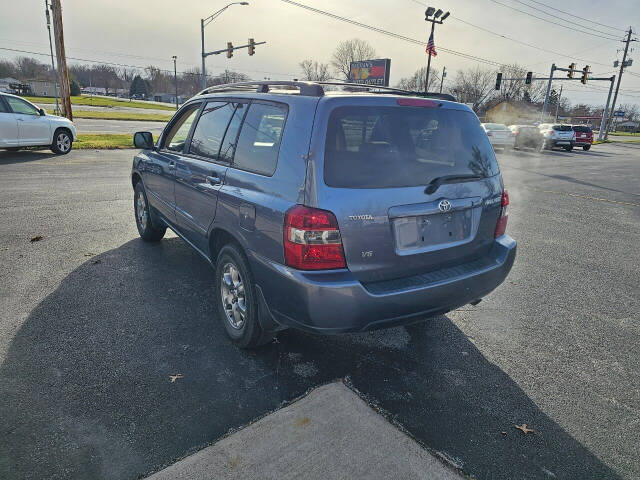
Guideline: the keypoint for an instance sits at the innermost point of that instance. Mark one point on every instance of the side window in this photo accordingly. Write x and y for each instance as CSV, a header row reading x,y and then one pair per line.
x,y
178,132
211,128
259,141
20,106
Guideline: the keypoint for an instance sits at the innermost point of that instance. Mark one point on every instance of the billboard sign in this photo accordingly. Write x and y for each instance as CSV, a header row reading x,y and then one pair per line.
x,y
619,113
370,72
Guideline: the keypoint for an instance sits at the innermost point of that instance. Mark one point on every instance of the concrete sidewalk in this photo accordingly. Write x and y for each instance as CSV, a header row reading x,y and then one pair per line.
x,y
329,434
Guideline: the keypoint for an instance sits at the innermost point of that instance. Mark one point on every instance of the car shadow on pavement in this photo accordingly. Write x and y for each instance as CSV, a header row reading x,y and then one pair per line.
x,y
124,368
22,156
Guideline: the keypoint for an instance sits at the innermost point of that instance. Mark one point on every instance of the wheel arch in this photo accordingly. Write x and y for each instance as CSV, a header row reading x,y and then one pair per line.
x,y
218,238
58,129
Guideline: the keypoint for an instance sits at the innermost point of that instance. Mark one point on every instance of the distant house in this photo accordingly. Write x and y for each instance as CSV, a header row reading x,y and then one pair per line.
x,y
42,88
628,126
512,112
167,98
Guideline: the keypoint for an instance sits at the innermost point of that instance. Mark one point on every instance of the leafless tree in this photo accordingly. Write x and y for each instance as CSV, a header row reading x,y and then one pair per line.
x,y
474,85
349,51
229,76
27,68
315,71
416,81
7,69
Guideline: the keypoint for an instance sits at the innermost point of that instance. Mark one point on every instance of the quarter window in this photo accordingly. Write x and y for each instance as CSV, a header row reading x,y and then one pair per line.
x,y
20,106
259,141
211,128
179,131
3,108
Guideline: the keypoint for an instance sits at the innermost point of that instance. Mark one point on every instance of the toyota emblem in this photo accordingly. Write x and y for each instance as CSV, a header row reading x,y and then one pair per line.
x,y
444,205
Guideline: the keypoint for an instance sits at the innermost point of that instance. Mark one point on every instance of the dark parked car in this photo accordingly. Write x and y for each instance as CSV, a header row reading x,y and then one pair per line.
x,y
327,211
584,136
527,136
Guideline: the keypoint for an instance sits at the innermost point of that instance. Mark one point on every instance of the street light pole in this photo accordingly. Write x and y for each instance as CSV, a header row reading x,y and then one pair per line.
x,y
444,74
203,23
437,18
175,78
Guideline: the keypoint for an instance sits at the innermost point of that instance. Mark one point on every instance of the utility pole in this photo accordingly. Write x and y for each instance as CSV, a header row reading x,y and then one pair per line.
x,y
63,74
175,78
615,96
53,65
558,102
431,48
444,74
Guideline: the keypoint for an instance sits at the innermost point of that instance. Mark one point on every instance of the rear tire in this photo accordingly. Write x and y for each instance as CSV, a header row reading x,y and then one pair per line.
x,y
148,230
62,141
237,299
586,147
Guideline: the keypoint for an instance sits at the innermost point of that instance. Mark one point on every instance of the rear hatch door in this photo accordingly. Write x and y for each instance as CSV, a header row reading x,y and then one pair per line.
x,y
563,133
415,186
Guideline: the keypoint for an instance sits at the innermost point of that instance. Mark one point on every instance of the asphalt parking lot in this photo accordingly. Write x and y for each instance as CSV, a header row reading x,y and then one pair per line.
x,y
94,322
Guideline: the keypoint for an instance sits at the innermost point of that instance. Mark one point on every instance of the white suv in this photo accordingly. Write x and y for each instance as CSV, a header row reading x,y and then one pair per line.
x,y
22,124
556,135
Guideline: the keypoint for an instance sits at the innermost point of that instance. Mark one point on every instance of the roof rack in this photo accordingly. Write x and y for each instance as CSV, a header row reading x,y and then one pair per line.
x,y
314,89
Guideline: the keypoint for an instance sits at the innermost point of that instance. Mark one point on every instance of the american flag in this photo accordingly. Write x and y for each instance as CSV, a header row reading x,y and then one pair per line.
x,y
431,46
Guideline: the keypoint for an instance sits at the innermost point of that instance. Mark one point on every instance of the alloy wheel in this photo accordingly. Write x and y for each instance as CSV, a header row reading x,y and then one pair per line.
x,y
63,142
141,211
233,296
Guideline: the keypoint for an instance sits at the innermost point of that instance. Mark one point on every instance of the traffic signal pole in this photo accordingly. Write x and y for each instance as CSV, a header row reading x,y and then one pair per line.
x,y
546,96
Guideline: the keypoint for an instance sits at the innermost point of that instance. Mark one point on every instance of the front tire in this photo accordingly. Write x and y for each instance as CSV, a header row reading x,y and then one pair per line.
x,y
237,300
62,141
568,149
586,147
149,232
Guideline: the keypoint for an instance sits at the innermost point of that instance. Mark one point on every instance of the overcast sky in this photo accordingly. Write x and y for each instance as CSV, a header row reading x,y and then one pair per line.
x,y
142,32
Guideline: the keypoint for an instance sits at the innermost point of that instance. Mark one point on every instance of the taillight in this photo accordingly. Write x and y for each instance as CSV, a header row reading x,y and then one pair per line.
x,y
501,226
489,134
312,239
550,132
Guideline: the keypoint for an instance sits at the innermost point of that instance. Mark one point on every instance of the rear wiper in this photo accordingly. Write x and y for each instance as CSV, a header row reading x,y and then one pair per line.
x,y
436,182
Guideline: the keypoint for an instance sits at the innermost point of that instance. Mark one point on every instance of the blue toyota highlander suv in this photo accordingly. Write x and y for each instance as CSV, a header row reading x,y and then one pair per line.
x,y
328,210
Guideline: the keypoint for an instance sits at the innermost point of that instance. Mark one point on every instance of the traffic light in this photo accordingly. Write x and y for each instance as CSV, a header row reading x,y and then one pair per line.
x,y
585,74
252,46
498,81
572,69
229,49
527,81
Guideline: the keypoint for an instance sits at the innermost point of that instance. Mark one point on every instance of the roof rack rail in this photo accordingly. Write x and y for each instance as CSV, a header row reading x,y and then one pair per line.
x,y
314,89
311,89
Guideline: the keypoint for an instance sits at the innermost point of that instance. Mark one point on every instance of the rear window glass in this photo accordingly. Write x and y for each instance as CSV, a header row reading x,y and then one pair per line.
x,y
380,147
259,141
562,128
582,129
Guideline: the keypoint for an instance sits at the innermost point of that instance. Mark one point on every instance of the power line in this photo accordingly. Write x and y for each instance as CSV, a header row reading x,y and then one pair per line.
x,y
577,16
134,66
554,23
393,35
537,9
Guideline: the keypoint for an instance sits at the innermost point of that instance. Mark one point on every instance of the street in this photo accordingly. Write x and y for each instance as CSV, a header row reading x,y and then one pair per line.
x,y
95,321
95,125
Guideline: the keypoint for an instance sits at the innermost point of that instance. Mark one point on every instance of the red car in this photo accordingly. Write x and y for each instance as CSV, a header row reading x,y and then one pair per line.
x,y
584,136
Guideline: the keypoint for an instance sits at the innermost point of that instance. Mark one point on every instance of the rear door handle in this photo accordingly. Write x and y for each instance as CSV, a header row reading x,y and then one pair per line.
x,y
172,165
213,180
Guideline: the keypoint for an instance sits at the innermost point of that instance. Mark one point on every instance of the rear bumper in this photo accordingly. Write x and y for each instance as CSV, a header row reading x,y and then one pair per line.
x,y
582,143
336,302
553,143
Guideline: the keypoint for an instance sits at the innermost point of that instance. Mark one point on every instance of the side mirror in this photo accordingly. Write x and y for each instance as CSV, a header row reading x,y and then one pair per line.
x,y
143,140
43,112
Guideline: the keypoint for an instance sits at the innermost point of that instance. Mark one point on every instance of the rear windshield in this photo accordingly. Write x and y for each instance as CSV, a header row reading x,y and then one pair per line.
x,y
381,147
581,128
562,128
